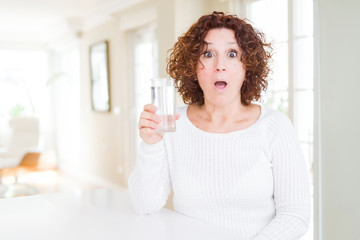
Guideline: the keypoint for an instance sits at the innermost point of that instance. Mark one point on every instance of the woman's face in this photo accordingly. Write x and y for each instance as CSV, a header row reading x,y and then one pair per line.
x,y
220,72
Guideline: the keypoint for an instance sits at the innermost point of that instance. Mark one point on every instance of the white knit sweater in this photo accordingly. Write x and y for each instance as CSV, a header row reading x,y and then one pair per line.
x,y
252,182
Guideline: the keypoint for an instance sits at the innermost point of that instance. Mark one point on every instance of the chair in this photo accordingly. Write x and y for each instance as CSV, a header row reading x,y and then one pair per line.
x,y
24,140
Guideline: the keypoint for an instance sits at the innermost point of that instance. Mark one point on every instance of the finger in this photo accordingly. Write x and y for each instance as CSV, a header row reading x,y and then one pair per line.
x,y
150,108
147,131
150,116
144,123
177,116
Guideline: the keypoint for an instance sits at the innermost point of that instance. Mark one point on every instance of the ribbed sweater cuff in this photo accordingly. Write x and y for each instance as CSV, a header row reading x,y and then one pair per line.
x,y
151,153
152,147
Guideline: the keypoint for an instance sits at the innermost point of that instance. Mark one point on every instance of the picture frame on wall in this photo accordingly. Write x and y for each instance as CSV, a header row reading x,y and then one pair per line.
x,y
99,74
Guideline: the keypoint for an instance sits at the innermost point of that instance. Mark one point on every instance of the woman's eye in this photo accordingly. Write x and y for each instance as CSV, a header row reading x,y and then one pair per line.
x,y
208,54
232,54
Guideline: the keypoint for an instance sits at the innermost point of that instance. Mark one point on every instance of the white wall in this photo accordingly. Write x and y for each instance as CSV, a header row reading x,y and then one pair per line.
x,y
101,133
337,47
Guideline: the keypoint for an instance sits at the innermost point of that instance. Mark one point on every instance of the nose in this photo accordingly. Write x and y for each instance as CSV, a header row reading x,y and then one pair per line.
x,y
220,68
220,65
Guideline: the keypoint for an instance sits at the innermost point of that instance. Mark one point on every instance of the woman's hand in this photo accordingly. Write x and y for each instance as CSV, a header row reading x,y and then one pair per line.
x,y
148,123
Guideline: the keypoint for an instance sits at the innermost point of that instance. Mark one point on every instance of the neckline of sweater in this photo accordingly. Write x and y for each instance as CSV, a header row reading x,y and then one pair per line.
x,y
241,131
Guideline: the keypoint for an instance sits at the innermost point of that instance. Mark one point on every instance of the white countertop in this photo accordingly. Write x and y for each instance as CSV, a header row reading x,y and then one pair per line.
x,y
95,214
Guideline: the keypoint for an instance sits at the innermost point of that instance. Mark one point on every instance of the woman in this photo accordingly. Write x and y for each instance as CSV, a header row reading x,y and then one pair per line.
x,y
231,163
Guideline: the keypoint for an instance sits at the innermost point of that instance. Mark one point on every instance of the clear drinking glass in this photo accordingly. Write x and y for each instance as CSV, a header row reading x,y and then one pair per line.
x,y
163,97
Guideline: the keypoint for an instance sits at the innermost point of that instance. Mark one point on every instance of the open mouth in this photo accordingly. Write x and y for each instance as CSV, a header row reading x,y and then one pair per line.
x,y
220,84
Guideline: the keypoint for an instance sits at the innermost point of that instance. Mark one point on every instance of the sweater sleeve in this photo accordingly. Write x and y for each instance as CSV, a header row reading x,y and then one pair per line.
x,y
149,182
291,186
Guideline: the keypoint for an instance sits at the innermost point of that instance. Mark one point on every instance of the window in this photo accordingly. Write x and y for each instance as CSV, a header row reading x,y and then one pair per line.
x,y
44,84
23,76
23,90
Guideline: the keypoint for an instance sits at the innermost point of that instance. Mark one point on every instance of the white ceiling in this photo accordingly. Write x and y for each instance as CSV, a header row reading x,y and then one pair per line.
x,y
38,19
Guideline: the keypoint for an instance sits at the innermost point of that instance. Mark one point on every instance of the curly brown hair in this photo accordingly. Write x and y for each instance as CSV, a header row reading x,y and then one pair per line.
x,y
185,55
